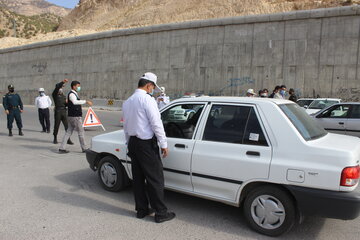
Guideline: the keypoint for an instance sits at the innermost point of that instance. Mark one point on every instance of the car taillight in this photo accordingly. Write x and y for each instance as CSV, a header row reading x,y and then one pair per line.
x,y
350,176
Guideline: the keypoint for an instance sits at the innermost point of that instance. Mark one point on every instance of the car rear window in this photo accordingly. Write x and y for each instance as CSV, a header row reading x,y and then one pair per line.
x,y
321,104
306,126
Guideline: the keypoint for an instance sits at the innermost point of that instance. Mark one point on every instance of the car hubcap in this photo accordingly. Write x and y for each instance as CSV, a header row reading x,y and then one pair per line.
x,y
108,174
268,212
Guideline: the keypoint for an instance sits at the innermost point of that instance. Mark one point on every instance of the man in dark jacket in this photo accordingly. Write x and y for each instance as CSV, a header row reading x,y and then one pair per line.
x,y
74,117
60,113
293,96
13,108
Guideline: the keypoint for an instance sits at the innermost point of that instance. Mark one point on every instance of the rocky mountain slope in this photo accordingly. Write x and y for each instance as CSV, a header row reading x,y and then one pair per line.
x,y
97,15
33,7
110,14
21,26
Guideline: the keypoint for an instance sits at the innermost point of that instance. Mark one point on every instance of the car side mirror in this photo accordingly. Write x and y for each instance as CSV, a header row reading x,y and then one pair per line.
x,y
306,106
319,116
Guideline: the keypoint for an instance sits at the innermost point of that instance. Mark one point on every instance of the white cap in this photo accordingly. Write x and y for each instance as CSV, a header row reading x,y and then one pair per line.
x,y
41,90
162,89
251,91
150,77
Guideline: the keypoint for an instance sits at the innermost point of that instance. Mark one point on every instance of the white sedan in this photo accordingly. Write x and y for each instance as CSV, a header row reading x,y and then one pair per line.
x,y
265,155
321,103
342,118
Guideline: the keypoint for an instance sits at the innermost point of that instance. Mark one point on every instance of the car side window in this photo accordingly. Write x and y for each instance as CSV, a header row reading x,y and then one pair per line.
x,y
180,121
339,111
254,134
231,124
355,111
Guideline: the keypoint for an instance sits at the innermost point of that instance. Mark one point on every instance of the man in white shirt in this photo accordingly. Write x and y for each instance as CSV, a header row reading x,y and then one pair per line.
x,y
162,99
43,103
250,93
280,94
74,117
144,131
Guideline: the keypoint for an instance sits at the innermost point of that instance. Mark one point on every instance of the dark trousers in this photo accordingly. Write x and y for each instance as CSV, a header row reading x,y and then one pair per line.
x,y
44,118
148,176
60,116
14,114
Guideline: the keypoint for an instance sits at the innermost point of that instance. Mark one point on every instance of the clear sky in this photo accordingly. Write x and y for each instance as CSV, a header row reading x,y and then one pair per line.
x,y
65,3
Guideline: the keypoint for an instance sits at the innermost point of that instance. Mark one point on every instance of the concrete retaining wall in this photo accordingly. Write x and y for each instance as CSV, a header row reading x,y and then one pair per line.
x,y
316,52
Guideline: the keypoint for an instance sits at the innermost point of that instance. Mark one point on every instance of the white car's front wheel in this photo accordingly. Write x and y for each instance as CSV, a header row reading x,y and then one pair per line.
x,y
112,174
270,210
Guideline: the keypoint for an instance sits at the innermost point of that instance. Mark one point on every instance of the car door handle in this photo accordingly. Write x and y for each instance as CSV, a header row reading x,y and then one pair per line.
x,y
252,153
341,123
178,145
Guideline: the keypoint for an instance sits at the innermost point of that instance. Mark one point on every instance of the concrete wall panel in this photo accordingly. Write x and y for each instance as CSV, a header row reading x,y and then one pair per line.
x,y
315,52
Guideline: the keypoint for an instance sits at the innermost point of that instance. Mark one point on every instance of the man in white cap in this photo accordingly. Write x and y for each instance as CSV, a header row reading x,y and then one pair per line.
x,y
144,131
43,103
250,93
162,100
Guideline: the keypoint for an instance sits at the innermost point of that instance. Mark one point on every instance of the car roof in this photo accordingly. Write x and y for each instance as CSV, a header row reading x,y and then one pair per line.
x,y
225,99
333,99
347,103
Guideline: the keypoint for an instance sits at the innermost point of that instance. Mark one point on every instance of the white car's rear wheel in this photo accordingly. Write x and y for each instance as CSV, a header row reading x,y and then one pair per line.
x,y
270,210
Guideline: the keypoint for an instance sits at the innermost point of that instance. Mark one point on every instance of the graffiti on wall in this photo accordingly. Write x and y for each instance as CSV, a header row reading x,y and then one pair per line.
x,y
298,92
40,67
236,82
349,94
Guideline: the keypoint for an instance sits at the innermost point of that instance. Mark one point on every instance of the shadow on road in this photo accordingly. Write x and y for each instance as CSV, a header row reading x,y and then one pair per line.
x,y
32,130
55,195
39,147
46,139
205,213
229,219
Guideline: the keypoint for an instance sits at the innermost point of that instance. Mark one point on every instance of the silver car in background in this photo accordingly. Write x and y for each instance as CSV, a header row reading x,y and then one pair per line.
x,y
342,118
305,102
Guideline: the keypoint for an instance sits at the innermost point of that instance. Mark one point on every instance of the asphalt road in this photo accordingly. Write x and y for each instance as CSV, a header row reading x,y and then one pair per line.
x,y
45,195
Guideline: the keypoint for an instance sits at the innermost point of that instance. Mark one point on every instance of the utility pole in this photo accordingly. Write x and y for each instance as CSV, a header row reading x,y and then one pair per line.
x,y
14,25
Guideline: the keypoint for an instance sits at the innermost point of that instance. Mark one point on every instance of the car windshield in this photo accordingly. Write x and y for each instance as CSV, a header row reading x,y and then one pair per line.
x,y
304,102
320,104
306,125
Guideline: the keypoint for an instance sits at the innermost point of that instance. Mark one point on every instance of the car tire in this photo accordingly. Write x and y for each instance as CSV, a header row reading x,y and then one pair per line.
x,y
270,210
112,174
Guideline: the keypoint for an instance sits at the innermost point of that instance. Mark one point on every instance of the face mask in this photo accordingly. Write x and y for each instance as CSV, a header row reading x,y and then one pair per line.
x,y
282,92
60,91
42,94
263,95
152,92
78,89
11,90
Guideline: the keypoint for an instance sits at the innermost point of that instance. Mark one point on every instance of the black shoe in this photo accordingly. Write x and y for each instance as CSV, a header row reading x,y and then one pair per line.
x,y
48,131
163,218
70,142
55,140
84,150
10,133
20,133
43,131
63,151
141,214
